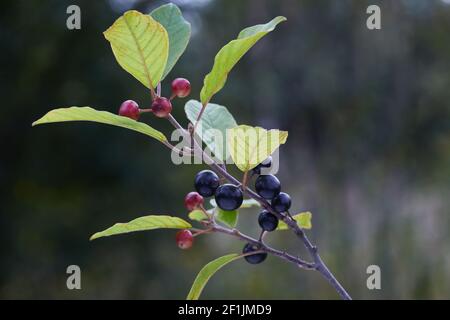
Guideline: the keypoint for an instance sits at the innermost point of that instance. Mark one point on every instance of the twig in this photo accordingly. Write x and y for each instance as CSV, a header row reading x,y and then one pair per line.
x,y
244,181
175,149
158,89
263,247
199,117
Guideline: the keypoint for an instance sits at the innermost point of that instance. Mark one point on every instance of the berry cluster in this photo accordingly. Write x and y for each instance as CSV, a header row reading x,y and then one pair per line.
x,y
230,197
269,188
161,107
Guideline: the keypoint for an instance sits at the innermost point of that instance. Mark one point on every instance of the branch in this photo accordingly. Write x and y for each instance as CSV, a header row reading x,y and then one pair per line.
x,y
175,149
199,117
263,247
318,265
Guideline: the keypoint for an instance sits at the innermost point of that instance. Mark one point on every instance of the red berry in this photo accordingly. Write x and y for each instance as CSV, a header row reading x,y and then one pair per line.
x,y
161,107
181,87
184,239
129,109
193,200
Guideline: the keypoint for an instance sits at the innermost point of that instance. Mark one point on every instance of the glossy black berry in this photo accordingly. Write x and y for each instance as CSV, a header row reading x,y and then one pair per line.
x,y
267,221
254,258
206,183
265,164
229,197
268,186
281,203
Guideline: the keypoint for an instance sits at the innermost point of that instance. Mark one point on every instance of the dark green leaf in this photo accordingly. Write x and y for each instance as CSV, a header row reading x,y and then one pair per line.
x,y
179,30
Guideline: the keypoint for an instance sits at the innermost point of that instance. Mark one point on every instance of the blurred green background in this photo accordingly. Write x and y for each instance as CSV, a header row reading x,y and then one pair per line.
x,y
368,150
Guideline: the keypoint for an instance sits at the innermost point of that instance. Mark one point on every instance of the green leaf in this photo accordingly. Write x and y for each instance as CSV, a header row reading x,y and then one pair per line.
x,y
213,126
303,220
230,54
142,224
249,146
140,45
250,203
89,114
207,272
197,215
178,29
247,203
230,218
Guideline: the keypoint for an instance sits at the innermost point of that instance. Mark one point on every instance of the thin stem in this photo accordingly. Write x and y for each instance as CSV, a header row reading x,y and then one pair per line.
x,y
244,180
175,123
153,93
265,248
158,89
175,149
200,232
208,215
199,117
261,235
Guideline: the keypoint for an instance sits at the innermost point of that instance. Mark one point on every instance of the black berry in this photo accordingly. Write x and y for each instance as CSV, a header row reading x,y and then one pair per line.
x,y
265,164
268,186
229,197
206,183
267,221
254,258
281,203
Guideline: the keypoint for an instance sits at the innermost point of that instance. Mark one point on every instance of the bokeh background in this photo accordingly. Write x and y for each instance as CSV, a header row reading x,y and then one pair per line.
x,y
368,150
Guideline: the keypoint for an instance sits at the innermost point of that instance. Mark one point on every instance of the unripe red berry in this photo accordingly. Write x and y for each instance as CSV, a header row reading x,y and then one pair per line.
x,y
184,239
193,200
181,87
161,107
129,109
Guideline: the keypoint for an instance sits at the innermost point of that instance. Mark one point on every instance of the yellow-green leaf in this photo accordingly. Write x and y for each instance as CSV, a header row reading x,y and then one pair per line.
x,y
197,215
140,45
230,54
89,114
246,204
249,203
144,223
249,146
303,220
207,272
